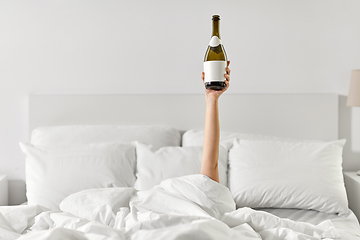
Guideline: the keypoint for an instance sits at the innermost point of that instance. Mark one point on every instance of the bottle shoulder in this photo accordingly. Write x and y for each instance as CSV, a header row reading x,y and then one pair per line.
x,y
215,53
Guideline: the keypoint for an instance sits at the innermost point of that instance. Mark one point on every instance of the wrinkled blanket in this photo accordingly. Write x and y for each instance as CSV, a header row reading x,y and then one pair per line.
x,y
190,207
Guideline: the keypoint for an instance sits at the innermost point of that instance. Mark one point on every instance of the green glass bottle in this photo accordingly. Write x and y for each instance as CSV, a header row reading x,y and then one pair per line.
x,y
215,61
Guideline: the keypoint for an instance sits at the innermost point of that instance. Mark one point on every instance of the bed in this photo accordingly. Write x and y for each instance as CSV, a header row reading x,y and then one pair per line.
x,y
127,167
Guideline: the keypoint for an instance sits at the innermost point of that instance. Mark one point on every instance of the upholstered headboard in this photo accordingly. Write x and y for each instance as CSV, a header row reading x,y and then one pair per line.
x,y
310,116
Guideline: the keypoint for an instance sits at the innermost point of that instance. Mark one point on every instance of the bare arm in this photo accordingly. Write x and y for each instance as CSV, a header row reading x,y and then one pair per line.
x,y
209,165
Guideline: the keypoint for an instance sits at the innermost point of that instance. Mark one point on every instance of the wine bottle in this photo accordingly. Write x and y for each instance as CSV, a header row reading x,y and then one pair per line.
x,y
215,61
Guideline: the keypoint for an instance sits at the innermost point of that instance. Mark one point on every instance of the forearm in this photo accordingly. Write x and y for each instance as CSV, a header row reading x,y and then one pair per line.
x,y
209,166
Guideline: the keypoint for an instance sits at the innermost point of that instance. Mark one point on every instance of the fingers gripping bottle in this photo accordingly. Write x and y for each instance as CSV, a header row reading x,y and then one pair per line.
x,y
215,61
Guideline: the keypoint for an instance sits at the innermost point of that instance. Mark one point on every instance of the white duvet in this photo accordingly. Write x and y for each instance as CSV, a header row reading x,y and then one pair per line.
x,y
190,207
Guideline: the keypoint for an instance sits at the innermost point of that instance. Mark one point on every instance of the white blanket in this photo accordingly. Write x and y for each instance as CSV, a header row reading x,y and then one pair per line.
x,y
190,207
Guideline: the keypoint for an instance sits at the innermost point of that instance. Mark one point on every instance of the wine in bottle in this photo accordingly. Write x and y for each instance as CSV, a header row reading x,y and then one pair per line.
x,y
215,61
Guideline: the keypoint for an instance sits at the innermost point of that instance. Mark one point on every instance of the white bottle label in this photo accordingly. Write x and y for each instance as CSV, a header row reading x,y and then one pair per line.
x,y
214,71
214,41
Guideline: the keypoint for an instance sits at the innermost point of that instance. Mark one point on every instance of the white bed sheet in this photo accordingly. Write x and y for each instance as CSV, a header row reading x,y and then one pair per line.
x,y
345,225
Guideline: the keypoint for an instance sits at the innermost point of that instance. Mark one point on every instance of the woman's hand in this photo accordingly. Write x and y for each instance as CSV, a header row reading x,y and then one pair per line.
x,y
215,94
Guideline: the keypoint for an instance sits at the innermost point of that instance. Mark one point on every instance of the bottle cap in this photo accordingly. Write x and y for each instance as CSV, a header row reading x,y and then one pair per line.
x,y
216,17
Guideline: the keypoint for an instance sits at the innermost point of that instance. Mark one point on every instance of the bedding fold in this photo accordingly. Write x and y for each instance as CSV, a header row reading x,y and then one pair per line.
x,y
190,207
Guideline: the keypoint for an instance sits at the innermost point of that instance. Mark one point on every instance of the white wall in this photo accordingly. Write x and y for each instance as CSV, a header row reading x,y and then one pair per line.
x,y
157,46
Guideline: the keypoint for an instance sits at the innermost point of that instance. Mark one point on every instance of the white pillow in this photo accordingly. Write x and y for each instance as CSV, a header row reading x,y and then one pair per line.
x,y
54,172
288,174
170,162
158,136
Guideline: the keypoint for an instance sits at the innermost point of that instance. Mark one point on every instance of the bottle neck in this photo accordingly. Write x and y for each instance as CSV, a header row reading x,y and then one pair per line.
x,y
216,28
